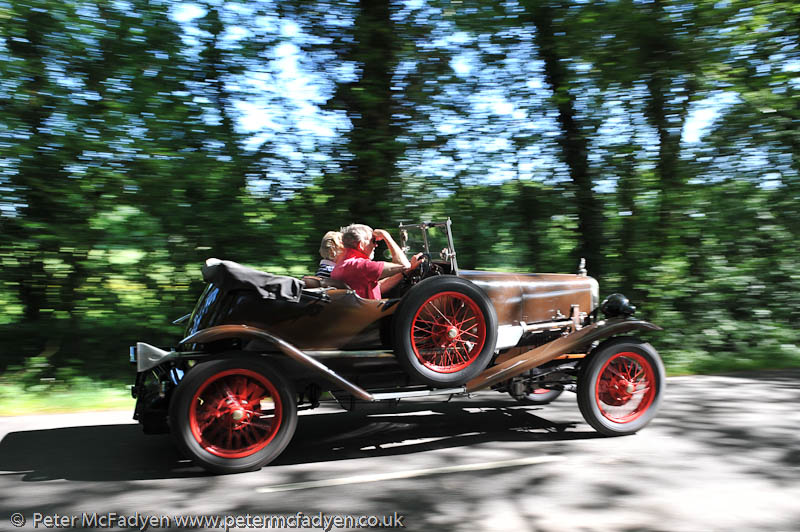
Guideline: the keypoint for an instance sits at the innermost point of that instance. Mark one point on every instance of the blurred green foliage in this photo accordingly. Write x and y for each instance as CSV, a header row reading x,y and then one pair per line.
x,y
138,138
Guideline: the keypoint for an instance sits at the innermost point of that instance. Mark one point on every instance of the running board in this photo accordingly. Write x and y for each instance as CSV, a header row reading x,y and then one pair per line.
x,y
338,353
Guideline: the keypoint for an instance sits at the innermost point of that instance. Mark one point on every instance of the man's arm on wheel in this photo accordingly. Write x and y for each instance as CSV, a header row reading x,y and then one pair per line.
x,y
400,263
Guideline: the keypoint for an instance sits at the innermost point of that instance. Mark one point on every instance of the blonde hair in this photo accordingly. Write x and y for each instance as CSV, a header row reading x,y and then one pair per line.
x,y
331,245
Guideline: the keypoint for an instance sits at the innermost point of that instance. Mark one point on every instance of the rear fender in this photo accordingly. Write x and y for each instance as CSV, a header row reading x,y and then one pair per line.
x,y
222,332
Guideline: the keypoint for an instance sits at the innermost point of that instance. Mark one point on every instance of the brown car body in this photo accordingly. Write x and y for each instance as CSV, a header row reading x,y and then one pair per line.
x,y
345,321
327,338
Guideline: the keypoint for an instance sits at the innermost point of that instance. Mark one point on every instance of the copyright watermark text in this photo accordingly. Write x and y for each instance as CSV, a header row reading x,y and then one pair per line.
x,y
143,522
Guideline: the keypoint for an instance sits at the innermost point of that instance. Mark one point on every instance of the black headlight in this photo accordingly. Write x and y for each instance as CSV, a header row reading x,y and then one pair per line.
x,y
617,305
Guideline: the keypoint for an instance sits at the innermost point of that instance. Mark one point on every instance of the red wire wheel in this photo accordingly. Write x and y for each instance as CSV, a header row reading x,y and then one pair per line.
x,y
448,332
620,386
235,413
626,387
445,331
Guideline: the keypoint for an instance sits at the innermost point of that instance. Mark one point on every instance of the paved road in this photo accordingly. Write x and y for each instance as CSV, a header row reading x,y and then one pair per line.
x,y
723,454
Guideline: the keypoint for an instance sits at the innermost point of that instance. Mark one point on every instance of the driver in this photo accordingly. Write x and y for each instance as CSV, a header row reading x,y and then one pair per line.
x,y
356,268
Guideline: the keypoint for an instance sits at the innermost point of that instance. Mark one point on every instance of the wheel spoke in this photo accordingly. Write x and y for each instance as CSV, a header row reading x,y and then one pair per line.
x,y
461,323
261,426
465,356
465,344
616,372
425,342
422,333
247,435
205,423
214,433
625,368
451,356
469,333
444,359
252,391
440,313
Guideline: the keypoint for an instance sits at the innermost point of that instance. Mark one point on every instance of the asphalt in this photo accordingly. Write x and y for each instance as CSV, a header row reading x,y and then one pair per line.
x,y
722,454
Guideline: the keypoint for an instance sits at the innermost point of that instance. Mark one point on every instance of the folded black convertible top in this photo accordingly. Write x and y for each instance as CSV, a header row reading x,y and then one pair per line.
x,y
229,275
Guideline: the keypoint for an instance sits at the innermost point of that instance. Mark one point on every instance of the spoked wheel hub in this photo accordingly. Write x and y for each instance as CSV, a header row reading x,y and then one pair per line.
x,y
448,332
444,331
625,387
235,413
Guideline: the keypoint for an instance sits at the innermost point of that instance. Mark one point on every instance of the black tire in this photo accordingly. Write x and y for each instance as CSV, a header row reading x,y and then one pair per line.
x,y
537,397
214,422
450,345
620,386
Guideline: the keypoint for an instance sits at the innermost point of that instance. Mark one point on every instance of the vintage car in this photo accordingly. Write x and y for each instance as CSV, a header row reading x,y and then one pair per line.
x,y
258,346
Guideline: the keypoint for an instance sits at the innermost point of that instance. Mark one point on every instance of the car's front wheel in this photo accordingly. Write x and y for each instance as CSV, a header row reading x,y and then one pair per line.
x,y
620,386
445,331
233,415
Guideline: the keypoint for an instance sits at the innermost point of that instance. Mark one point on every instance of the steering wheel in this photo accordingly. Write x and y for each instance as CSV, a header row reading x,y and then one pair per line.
x,y
425,266
422,271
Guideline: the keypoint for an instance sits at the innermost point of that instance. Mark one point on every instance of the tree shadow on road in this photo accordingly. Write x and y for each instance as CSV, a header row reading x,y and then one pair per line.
x,y
726,413
409,430
123,453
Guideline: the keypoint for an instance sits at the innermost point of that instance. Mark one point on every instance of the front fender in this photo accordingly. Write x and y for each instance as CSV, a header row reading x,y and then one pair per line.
x,y
572,343
615,326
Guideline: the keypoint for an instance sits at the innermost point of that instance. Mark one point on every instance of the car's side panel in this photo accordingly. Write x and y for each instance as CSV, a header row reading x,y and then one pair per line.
x,y
504,290
345,321
534,297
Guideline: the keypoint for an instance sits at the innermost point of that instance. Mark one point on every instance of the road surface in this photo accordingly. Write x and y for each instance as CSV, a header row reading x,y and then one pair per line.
x,y
723,454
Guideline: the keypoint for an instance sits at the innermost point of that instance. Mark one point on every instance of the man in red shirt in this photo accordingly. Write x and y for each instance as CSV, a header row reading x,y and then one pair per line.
x,y
364,275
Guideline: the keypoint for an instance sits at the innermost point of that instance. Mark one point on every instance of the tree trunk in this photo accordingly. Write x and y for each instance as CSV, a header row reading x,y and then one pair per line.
x,y
364,193
573,141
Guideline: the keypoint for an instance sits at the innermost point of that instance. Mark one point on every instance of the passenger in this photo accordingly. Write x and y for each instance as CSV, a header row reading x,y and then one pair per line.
x,y
367,277
330,249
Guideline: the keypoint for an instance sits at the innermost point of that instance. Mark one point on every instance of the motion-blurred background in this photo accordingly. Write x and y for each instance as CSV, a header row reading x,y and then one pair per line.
x,y
659,139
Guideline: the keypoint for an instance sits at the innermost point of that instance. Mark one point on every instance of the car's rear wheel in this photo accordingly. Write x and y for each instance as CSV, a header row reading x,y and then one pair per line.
x,y
540,396
445,331
233,415
620,386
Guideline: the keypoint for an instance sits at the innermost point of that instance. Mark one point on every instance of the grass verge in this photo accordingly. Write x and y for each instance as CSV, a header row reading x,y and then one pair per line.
x,y
17,400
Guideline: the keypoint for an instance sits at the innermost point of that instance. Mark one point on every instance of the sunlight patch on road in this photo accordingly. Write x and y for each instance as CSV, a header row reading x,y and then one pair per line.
x,y
409,414
413,473
403,443
419,441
